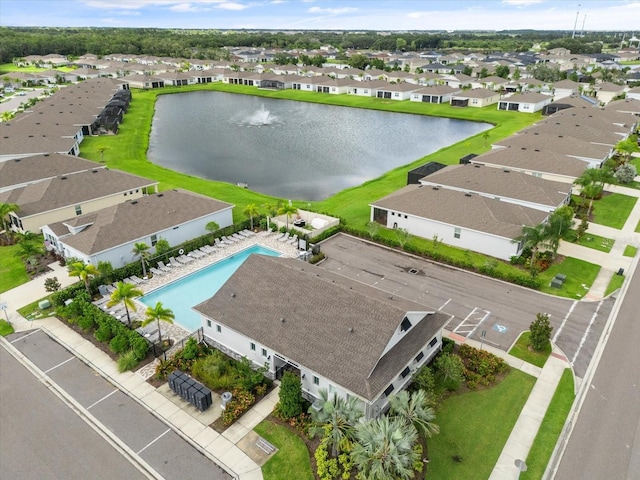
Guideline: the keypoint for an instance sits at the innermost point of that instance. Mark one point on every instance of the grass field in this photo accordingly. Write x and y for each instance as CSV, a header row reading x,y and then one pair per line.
x,y
522,351
630,251
614,284
7,68
12,271
5,328
550,429
291,462
578,273
613,210
474,426
590,240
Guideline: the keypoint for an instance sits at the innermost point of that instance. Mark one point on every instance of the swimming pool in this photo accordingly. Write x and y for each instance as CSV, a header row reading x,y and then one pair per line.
x,y
183,294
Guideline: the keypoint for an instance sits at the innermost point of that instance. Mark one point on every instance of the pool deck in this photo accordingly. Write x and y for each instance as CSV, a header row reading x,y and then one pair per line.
x,y
177,332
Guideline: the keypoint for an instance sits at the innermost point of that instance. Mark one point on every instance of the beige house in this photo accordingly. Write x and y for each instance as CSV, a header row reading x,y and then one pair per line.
x,y
478,98
66,196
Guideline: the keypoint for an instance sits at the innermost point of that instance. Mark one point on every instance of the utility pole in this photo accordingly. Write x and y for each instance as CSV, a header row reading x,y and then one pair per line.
x,y
575,24
583,21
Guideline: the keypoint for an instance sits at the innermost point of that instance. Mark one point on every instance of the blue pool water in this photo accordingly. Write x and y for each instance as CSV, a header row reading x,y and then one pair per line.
x,y
185,293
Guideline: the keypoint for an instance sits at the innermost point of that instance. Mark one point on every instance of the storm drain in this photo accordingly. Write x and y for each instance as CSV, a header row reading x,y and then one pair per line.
x,y
413,271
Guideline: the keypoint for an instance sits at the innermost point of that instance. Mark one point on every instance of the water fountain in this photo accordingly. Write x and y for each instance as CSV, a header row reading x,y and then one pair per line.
x,y
260,118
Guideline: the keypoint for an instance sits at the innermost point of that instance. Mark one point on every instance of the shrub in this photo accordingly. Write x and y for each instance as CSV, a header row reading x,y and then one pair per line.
x,y
215,371
480,366
52,284
450,370
103,333
250,378
86,322
424,379
447,345
540,331
290,396
241,401
119,343
190,350
127,361
625,173
138,344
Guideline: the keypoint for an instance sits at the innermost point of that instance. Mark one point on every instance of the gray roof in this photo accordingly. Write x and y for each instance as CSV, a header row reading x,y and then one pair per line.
x,y
73,189
476,93
588,133
470,211
319,308
501,182
562,144
529,97
39,167
438,90
135,219
530,160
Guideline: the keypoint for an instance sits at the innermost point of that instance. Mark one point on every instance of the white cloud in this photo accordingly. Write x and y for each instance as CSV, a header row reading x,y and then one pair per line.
x,y
521,3
332,11
231,6
175,5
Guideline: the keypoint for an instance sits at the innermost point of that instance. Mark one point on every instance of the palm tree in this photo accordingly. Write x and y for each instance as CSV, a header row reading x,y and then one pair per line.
x,y
384,449
592,183
338,416
101,150
5,210
251,210
534,238
125,293
84,271
288,210
141,250
157,313
414,408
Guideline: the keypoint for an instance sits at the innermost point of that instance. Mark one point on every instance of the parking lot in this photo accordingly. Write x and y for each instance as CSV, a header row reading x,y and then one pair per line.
x,y
477,304
145,435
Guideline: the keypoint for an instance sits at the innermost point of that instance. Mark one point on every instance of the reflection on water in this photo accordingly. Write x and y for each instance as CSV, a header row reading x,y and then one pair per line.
x,y
288,149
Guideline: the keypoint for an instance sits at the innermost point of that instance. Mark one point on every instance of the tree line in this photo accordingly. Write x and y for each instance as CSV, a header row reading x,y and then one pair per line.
x,y
209,44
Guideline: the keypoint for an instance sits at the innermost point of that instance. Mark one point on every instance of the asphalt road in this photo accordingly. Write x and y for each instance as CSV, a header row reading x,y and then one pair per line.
x,y
478,303
41,437
148,437
605,441
12,101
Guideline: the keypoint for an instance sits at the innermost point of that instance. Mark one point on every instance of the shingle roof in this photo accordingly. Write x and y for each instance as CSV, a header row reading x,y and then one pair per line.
x,y
534,160
506,184
470,211
73,189
38,167
319,308
135,219
529,97
564,145
476,93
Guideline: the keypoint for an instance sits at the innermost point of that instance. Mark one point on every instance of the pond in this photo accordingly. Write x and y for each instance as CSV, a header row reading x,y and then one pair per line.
x,y
289,149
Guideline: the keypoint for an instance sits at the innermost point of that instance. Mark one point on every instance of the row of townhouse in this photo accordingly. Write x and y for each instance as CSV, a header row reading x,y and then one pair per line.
x,y
482,204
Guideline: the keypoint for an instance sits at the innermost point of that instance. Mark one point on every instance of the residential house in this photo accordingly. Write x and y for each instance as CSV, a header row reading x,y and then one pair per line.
x,y
435,94
363,343
54,199
525,102
565,88
110,233
477,97
366,88
606,92
462,219
399,91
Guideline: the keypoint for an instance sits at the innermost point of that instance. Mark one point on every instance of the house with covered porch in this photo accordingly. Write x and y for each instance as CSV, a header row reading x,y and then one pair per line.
x,y
362,343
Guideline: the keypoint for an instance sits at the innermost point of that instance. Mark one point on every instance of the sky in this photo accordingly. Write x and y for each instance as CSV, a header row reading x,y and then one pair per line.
x,y
615,15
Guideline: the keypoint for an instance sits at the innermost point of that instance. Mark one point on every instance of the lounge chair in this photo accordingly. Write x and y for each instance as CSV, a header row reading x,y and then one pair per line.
x,y
293,240
110,288
207,249
156,271
195,254
219,243
285,238
136,279
129,281
279,235
184,259
163,267
247,233
174,263
238,236
227,240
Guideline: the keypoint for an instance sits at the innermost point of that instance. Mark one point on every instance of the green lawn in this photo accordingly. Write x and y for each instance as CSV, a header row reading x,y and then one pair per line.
x,y
550,429
578,272
475,426
614,284
630,251
590,240
612,210
32,310
12,271
5,328
522,351
7,68
291,462
638,228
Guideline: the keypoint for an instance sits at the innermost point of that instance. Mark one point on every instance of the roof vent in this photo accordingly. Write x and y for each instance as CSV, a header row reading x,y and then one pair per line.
x,y
350,329
476,165
30,136
467,194
537,150
282,319
64,177
161,194
94,170
134,202
233,295
506,170
435,187
16,159
46,155
523,148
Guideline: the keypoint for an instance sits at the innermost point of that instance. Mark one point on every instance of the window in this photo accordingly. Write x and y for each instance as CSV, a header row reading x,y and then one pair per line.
x,y
253,347
419,357
388,390
218,329
316,380
78,209
208,323
433,341
456,232
154,240
405,372
264,352
405,325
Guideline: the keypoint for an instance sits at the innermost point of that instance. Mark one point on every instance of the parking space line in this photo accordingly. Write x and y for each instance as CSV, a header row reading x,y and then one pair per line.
x,y
486,315
25,336
444,305
59,365
586,332
153,441
466,327
103,398
555,337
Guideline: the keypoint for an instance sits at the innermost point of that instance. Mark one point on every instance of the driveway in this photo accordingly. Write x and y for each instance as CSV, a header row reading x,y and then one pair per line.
x,y
478,304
